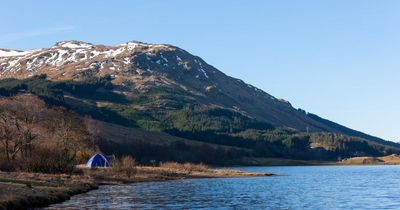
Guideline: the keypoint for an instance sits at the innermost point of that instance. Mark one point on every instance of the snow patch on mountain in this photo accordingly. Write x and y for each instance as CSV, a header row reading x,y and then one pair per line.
x,y
15,53
8,53
73,44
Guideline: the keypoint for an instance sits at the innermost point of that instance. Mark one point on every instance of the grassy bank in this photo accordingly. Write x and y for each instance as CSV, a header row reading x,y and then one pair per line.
x,y
20,190
385,160
29,190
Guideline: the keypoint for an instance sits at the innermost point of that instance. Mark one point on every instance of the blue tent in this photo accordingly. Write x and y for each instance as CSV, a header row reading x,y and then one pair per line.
x,y
97,160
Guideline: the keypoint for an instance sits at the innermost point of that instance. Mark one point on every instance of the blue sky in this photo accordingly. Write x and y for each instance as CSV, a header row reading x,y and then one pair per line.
x,y
336,58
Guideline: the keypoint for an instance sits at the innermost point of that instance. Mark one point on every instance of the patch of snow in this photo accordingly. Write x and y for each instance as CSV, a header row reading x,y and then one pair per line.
x,y
95,53
59,54
201,69
283,101
52,58
10,53
178,58
127,61
162,56
29,64
95,65
129,45
73,44
71,58
258,90
113,53
80,69
148,56
79,52
13,62
15,53
204,72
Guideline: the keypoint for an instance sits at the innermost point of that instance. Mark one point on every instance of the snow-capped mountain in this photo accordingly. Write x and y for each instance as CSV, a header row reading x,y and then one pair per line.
x,y
78,55
140,66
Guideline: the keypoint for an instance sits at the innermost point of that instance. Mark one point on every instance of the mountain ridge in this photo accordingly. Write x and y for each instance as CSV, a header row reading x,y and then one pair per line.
x,y
138,67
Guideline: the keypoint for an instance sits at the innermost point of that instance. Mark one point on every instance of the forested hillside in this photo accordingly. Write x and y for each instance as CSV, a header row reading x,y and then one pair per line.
x,y
227,135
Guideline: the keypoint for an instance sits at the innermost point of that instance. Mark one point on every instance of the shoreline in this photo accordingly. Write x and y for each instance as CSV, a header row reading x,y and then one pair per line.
x,y
20,190
366,160
35,190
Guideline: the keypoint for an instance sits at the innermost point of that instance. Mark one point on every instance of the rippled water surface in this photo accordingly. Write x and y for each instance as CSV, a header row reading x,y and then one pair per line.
x,y
299,187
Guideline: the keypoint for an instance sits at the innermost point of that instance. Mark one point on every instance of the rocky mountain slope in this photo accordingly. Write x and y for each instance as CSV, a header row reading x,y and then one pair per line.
x,y
162,87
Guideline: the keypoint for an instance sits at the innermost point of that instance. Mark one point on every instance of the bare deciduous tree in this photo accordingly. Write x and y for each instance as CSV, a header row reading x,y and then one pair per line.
x,y
18,117
41,138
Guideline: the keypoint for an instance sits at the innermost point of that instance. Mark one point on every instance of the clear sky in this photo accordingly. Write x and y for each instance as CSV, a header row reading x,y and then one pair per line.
x,y
339,59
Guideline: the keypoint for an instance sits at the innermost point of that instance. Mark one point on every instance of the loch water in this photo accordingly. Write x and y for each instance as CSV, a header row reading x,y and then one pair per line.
x,y
296,187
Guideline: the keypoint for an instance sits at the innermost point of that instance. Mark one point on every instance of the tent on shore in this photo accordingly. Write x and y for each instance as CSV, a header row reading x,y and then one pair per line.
x,y
98,160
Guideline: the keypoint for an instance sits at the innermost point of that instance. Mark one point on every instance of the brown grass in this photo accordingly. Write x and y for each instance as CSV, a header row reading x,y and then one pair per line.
x,y
385,160
186,167
29,190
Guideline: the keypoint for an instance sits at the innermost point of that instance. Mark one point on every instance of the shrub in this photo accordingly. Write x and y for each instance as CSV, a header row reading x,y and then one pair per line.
x,y
47,160
6,166
126,165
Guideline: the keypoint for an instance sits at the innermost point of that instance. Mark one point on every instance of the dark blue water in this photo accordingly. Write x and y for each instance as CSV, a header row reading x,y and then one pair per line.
x,y
300,187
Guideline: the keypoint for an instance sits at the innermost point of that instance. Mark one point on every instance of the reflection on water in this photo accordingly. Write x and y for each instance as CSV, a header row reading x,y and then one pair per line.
x,y
302,187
